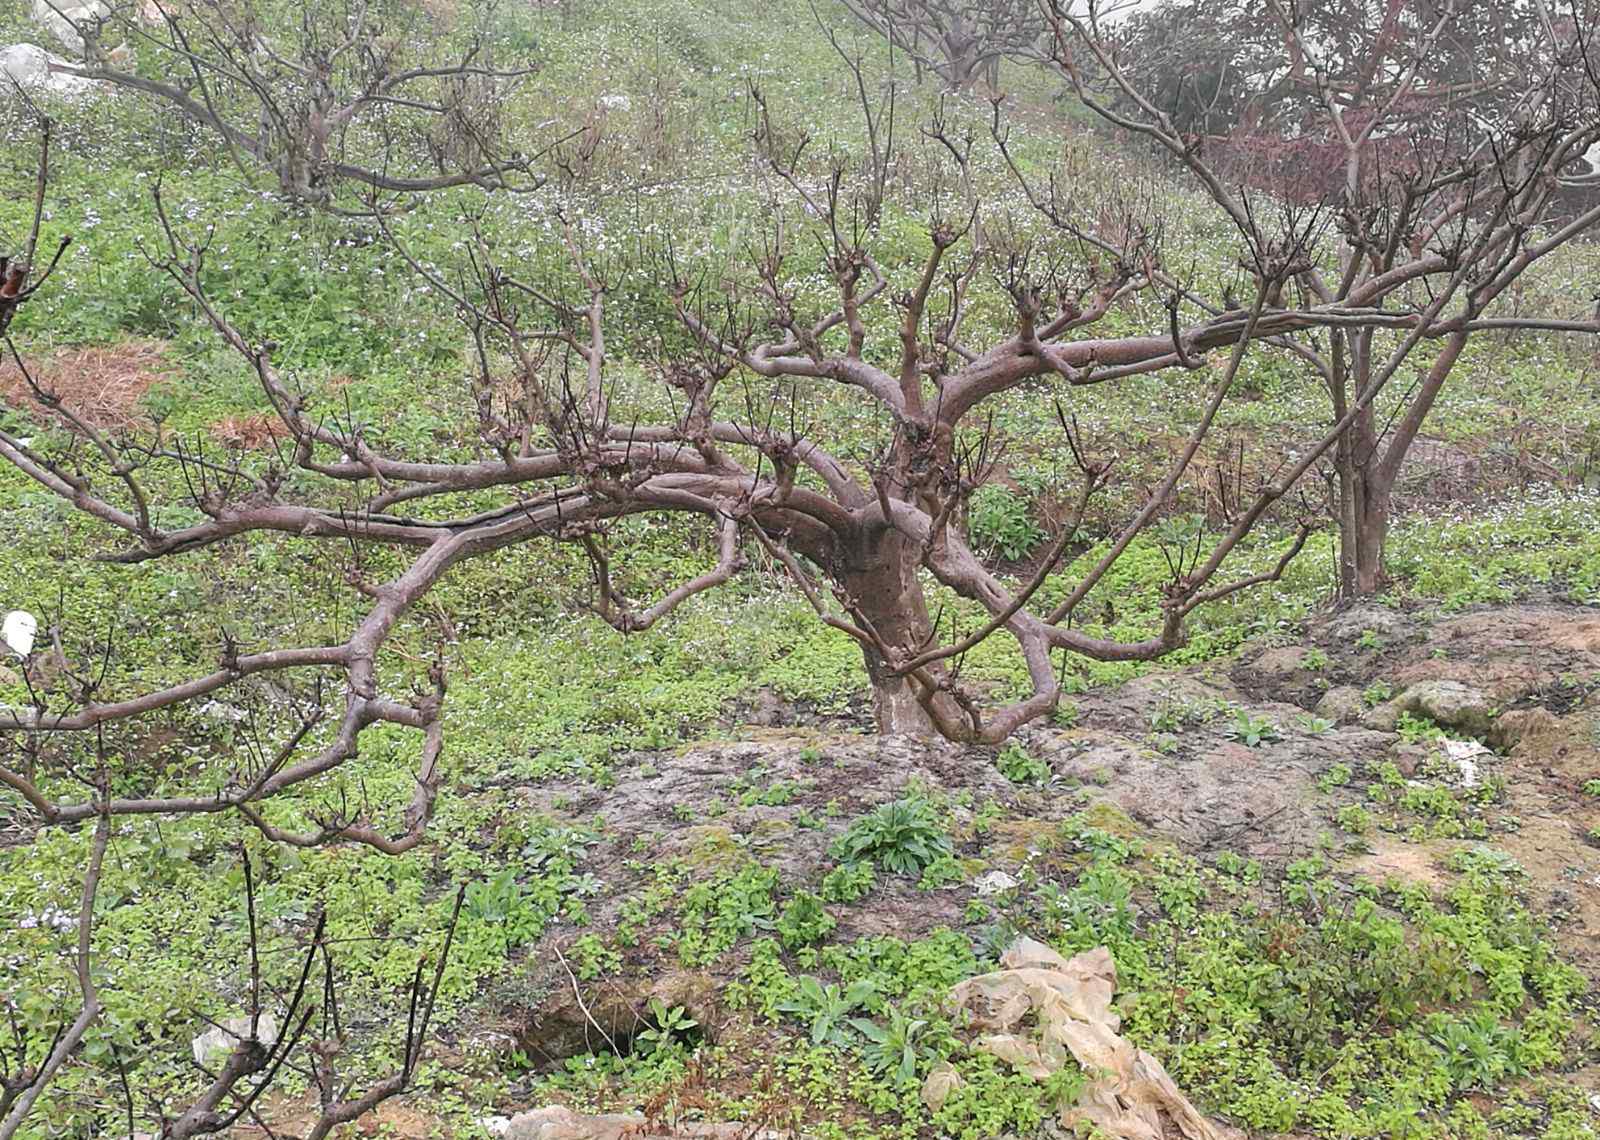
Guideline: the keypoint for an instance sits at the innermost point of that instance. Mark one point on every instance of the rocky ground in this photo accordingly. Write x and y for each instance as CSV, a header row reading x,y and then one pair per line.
x,y
1170,756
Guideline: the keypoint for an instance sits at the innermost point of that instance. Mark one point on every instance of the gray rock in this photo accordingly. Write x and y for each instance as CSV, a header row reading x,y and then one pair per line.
x,y
1409,758
768,710
1391,626
1277,664
1342,704
1383,718
557,1122
31,67
1450,704
62,18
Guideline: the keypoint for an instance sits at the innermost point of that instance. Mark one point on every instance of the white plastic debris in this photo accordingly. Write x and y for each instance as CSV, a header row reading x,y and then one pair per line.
x,y
1465,754
18,630
217,1042
216,710
993,883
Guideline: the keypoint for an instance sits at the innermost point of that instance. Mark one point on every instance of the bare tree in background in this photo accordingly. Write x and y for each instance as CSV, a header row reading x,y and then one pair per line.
x,y
960,41
1440,134
1219,68
355,93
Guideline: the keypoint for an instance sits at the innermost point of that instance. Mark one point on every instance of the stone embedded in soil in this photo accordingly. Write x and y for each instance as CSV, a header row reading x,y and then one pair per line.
x,y
1389,626
1275,664
1382,718
1408,758
1341,704
1511,729
1449,704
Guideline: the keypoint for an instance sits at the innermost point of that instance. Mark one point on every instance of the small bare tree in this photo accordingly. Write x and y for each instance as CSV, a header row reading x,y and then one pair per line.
x,y
1441,135
961,42
359,93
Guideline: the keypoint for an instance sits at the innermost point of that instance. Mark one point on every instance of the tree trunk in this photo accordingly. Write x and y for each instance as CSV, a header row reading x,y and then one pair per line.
x,y
895,707
886,593
1373,535
1363,531
1369,464
1364,504
963,55
1364,485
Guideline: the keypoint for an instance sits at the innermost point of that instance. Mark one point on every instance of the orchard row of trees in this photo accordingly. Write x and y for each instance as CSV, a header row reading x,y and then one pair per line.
x,y
1389,168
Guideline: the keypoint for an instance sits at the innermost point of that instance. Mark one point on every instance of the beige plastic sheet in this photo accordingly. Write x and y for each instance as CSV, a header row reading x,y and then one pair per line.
x,y
1041,1012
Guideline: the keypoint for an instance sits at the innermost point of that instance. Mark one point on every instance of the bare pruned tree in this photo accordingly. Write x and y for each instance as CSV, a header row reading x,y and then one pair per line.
x,y
360,93
959,41
1439,139
863,537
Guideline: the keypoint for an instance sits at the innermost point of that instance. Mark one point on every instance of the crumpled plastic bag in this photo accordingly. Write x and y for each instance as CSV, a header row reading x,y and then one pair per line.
x,y
942,1081
1041,1011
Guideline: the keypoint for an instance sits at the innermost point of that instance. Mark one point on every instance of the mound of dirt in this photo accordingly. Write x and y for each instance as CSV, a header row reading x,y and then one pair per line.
x,y
779,797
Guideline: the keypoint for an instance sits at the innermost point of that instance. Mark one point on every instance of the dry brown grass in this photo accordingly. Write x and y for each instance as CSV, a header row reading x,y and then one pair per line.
x,y
250,431
103,385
